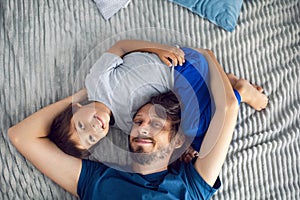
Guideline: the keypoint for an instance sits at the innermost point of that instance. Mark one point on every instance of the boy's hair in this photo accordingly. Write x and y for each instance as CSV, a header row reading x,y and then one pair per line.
x,y
60,134
171,109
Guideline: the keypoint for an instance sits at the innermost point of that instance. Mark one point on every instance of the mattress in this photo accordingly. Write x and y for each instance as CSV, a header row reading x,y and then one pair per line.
x,y
47,48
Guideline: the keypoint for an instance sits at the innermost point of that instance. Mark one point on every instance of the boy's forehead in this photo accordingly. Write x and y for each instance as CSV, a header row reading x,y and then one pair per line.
x,y
73,133
72,125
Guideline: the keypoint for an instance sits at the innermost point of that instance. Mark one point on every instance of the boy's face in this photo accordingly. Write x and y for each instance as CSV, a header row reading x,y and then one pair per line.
x,y
150,133
89,124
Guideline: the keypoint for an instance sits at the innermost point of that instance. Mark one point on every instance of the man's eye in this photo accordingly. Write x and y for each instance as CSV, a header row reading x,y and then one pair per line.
x,y
137,122
157,124
92,138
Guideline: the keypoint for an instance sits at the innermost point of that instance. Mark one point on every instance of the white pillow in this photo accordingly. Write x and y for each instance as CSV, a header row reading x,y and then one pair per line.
x,y
110,7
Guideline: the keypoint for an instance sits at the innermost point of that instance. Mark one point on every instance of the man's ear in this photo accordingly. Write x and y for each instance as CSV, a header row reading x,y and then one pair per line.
x,y
179,140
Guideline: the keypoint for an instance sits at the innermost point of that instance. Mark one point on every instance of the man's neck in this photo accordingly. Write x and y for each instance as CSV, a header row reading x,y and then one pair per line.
x,y
149,168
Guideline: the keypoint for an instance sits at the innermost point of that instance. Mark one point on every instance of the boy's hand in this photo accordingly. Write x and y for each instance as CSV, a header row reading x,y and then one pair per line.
x,y
167,53
170,55
188,155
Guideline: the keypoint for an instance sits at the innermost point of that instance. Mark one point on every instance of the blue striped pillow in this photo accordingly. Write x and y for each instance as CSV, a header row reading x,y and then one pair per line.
x,y
223,13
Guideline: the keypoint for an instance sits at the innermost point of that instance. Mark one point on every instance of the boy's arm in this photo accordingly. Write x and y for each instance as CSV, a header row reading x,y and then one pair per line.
x,y
30,138
164,52
218,137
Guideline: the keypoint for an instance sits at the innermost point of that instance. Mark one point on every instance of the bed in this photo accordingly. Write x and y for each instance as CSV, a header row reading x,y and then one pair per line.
x,y
47,47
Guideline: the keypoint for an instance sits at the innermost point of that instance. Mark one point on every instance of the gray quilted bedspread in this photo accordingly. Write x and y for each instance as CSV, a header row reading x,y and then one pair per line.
x,y
46,48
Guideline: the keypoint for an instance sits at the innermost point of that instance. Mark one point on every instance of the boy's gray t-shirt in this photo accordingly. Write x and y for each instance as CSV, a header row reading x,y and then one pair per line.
x,y
124,85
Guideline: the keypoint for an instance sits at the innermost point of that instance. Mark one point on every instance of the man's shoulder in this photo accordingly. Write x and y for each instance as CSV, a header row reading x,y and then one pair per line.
x,y
90,164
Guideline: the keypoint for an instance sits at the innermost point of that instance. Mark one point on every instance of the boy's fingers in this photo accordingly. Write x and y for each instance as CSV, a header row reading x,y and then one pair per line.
x,y
180,60
179,52
187,158
166,61
175,60
179,55
195,154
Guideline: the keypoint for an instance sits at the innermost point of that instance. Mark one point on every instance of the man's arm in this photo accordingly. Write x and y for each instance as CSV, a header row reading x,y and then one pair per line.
x,y
30,138
164,52
218,137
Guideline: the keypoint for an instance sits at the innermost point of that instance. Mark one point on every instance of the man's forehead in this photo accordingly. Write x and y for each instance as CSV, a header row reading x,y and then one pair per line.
x,y
153,111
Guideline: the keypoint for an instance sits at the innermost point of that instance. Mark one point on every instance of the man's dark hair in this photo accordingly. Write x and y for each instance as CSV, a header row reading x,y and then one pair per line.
x,y
171,108
60,134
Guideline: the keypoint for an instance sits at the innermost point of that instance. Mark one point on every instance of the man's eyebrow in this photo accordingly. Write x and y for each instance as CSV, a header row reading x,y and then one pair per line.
x,y
156,116
153,116
138,115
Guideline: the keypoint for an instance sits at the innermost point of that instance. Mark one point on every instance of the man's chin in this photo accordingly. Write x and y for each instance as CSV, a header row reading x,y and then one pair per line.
x,y
140,149
141,156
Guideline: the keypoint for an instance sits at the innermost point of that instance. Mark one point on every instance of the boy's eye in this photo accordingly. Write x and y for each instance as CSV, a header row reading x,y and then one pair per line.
x,y
92,139
80,125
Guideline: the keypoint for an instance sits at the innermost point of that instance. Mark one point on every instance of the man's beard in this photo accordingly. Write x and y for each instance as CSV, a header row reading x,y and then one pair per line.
x,y
148,158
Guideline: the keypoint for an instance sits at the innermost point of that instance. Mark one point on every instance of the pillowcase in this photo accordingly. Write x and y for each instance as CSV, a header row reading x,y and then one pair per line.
x,y
223,13
110,7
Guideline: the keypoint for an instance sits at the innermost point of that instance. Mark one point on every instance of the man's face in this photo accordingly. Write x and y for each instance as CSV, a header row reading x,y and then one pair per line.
x,y
150,133
89,125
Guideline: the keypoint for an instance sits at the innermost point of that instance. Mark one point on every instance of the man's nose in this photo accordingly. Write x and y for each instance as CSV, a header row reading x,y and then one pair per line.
x,y
144,130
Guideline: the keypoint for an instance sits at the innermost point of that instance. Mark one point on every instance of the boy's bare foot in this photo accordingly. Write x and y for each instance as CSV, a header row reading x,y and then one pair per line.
x,y
251,94
260,89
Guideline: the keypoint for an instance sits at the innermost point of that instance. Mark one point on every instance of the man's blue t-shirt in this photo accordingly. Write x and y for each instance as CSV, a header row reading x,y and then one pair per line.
x,y
182,181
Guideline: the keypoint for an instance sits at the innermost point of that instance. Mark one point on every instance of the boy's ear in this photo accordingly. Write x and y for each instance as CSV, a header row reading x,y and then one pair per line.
x,y
76,106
